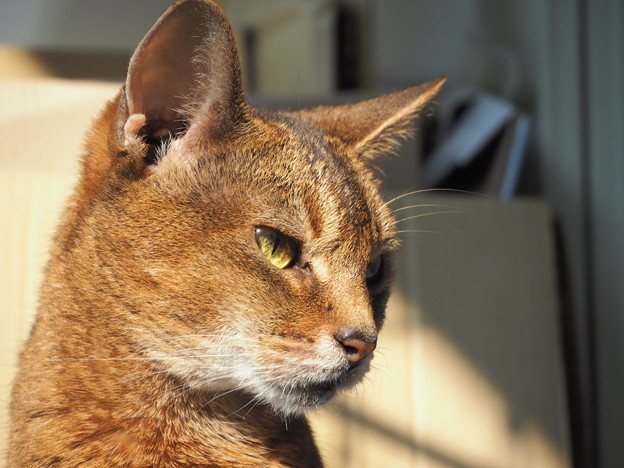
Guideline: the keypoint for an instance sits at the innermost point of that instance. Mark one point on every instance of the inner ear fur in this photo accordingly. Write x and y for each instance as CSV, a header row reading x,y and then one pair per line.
x,y
373,127
184,77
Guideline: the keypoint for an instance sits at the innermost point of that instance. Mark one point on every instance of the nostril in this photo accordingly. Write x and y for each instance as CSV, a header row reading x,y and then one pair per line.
x,y
357,346
351,350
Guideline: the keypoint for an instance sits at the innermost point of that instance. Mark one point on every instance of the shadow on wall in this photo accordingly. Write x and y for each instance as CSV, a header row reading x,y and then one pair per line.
x,y
470,370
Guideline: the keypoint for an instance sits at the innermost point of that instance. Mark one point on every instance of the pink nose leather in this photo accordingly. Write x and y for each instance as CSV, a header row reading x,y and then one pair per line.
x,y
357,350
356,346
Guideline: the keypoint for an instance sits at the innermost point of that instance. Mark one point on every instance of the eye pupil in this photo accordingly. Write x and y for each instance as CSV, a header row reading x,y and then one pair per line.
x,y
280,249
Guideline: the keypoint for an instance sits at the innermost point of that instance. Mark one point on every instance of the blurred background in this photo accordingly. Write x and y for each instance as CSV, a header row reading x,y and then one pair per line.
x,y
505,340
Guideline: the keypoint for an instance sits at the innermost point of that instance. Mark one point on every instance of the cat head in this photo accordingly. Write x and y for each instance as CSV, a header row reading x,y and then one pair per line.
x,y
246,250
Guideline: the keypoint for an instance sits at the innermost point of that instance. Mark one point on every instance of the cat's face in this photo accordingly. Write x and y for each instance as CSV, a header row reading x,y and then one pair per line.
x,y
263,265
250,251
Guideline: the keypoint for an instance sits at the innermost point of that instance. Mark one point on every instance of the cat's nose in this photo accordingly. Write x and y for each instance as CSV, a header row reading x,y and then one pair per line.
x,y
357,345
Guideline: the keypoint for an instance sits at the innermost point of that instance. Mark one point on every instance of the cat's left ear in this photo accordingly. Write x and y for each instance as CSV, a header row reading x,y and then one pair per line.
x,y
373,127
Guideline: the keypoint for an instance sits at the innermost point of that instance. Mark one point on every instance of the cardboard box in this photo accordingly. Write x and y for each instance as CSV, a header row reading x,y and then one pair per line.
x,y
469,368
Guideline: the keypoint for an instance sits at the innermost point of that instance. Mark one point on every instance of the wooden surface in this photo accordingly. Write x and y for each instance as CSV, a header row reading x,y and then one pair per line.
x,y
468,371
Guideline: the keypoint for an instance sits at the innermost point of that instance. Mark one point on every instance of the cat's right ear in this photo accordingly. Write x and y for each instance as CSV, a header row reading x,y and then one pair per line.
x,y
183,80
373,127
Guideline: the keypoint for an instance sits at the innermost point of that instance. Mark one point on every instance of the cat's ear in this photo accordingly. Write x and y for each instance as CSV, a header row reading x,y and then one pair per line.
x,y
184,78
375,126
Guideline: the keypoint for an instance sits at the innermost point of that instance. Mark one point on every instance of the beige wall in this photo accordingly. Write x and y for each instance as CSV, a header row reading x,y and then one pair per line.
x,y
41,128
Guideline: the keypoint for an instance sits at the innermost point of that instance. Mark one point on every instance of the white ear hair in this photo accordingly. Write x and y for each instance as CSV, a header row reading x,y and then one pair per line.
x,y
373,127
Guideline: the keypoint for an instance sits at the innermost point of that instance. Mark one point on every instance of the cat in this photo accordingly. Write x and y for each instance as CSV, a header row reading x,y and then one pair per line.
x,y
219,271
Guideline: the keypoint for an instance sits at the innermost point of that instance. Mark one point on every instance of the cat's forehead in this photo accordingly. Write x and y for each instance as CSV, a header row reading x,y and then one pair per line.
x,y
327,189
290,177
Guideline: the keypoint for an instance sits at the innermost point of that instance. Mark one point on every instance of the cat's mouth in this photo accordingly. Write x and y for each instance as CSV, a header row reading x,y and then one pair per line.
x,y
297,398
316,394
296,386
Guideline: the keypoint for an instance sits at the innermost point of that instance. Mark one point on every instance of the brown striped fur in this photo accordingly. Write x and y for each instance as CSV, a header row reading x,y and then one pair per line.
x,y
164,337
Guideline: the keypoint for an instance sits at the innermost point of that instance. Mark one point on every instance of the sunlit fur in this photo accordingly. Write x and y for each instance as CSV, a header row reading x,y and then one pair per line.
x,y
164,336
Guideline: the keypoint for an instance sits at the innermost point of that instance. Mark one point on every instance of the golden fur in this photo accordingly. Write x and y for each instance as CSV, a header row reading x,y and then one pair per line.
x,y
164,337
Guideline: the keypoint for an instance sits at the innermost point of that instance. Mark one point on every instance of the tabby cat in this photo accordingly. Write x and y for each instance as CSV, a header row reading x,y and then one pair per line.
x,y
219,271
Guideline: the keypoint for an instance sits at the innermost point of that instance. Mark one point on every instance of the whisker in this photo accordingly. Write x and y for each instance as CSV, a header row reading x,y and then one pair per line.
x,y
420,231
257,400
415,192
254,401
222,394
197,348
426,205
423,215
166,358
228,337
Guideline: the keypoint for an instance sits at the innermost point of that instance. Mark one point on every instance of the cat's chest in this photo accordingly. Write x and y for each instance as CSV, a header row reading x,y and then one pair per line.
x,y
194,438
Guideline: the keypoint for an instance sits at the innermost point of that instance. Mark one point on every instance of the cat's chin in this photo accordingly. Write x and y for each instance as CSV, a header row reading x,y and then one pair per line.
x,y
296,399
299,400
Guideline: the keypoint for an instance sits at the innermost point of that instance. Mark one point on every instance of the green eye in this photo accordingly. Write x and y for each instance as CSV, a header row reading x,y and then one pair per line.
x,y
279,249
373,270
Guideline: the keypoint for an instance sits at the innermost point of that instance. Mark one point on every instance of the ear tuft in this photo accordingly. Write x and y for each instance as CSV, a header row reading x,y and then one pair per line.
x,y
375,126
